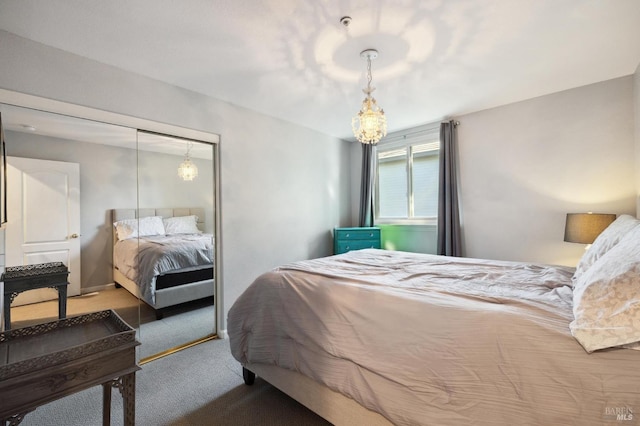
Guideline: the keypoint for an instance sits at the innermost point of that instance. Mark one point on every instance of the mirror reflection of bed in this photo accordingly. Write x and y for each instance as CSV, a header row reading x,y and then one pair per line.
x,y
165,257
120,167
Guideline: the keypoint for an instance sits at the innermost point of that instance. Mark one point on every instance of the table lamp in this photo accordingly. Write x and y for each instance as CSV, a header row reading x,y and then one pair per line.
x,y
584,228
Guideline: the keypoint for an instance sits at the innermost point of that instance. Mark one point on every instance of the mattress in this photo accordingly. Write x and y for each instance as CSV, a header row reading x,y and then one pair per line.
x,y
427,339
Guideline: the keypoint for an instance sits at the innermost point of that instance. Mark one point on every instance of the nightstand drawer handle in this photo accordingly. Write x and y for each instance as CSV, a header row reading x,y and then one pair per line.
x,y
347,235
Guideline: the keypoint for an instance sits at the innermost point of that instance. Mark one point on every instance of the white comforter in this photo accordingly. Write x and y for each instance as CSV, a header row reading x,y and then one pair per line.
x,y
432,340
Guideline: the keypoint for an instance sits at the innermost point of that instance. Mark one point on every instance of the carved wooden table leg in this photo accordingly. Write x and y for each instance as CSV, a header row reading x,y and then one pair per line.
x,y
62,301
128,391
127,387
106,403
7,311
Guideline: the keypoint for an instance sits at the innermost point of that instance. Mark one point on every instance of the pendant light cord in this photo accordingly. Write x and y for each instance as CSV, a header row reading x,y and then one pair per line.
x,y
369,76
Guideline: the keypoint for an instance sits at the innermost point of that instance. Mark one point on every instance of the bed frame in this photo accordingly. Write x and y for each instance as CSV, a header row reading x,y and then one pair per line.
x,y
172,295
332,406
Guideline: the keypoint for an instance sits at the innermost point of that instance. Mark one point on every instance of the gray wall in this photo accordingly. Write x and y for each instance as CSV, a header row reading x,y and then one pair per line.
x,y
284,187
161,187
523,166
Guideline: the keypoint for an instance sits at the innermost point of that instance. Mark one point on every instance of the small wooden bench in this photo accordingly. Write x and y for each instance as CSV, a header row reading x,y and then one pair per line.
x,y
30,277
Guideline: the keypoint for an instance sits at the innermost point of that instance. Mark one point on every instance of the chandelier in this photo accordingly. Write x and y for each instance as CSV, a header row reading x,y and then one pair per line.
x,y
187,170
370,124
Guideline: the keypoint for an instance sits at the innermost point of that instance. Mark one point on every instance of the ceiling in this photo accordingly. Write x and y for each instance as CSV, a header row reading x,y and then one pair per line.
x,y
294,60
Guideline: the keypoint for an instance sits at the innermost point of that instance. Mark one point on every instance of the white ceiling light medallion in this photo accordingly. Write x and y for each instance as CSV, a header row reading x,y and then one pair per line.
x,y
187,170
370,124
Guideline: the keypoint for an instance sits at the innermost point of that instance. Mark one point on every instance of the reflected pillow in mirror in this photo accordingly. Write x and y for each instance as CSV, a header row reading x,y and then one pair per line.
x,y
181,225
143,227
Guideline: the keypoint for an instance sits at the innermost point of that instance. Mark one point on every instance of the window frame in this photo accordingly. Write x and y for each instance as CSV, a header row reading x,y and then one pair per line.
x,y
407,140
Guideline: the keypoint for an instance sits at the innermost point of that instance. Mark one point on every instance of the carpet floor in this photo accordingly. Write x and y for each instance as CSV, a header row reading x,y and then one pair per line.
x,y
198,386
180,324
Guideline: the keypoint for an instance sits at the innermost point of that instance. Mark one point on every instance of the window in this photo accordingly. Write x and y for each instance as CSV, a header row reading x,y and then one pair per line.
x,y
407,180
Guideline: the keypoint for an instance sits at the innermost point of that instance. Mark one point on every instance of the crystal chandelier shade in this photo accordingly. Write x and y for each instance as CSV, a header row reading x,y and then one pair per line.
x,y
187,170
370,124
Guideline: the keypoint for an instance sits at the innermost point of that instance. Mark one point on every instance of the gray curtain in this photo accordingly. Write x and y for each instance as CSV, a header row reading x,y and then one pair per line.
x,y
367,182
449,241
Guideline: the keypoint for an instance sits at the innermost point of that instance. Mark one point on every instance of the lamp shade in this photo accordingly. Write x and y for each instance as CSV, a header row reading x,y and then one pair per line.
x,y
584,228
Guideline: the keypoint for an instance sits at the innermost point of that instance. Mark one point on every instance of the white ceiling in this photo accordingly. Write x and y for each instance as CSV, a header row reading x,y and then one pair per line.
x,y
293,59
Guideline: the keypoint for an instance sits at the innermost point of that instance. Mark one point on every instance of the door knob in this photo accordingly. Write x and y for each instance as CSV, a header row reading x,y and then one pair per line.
x,y
74,235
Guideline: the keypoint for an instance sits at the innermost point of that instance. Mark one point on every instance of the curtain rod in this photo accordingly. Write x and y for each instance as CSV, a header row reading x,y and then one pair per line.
x,y
435,126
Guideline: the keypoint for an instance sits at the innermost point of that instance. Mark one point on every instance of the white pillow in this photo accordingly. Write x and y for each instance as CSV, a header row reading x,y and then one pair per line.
x,y
143,227
606,298
181,225
604,242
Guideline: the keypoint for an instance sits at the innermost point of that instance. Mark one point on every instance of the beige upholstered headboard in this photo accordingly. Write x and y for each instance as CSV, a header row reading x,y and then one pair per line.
x,y
120,214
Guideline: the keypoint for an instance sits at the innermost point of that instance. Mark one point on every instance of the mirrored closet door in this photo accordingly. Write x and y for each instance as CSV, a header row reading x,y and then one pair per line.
x,y
176,186
64,174
69,181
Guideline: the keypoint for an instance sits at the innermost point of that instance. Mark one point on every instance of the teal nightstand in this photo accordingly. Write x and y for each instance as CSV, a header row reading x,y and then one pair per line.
x,y
347,239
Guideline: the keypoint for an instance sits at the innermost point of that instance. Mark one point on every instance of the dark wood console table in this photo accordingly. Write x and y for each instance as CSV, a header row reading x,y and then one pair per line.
x,y
45,362
30,277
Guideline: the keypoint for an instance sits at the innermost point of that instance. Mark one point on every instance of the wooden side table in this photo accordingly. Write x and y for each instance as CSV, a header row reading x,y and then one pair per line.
x,y
30,277
45,362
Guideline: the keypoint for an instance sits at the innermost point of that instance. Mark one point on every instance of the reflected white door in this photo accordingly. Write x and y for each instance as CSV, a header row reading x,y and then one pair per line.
x,y
43,201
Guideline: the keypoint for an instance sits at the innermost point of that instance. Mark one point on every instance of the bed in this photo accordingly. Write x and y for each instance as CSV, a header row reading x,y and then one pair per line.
x,y
163,256
377,337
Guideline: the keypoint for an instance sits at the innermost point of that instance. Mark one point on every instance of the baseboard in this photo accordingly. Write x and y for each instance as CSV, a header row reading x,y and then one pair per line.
x,y
222,334
87,290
